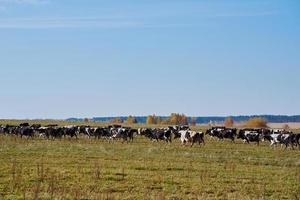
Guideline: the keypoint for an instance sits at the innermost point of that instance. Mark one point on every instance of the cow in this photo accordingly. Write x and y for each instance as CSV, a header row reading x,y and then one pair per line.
x,y
222,133
249,136
297,140
147,132
52,132
191,137
2,129
71,131
157,134
25,131
162,134
215,131
86,130
36,126
24,124
102,132
124,133
175,130
287,139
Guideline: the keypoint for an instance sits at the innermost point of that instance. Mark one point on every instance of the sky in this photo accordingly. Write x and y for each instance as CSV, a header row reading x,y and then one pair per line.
x,y
88,58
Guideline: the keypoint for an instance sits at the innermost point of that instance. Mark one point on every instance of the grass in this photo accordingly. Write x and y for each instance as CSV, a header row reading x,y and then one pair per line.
x,y
96,169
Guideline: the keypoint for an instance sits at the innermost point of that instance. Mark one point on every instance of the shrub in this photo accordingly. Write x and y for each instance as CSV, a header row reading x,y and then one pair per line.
x,y
286,127
228,122
256,122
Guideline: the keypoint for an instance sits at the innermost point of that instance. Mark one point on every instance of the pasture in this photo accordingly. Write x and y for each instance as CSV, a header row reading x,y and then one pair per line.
x,y
97,169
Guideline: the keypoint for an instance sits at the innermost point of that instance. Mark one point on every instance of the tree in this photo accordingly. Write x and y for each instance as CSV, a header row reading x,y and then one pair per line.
x,y
131,120
228,122
256,122
150,120
176,119
194,121
158,120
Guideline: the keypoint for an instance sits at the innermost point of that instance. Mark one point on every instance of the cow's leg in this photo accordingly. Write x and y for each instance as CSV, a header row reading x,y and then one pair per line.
x,y
286,145
192,144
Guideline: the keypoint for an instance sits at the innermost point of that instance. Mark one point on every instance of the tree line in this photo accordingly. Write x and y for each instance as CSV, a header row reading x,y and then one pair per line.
x,y
181,119
173,119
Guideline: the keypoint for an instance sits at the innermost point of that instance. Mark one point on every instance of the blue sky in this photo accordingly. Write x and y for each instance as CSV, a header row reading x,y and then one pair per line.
x,y
85,58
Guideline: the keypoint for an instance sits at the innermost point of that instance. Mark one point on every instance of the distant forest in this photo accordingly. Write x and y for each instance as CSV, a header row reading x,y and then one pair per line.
x,y
205,120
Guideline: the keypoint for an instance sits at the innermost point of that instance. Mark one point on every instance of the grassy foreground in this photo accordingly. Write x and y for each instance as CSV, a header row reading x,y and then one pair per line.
x,y
93,169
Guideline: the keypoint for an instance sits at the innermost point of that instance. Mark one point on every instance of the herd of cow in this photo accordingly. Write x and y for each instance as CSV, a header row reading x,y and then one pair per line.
x,y
167,134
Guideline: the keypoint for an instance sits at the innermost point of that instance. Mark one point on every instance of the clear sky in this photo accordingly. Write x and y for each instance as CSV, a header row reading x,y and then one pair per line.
x,y
86,58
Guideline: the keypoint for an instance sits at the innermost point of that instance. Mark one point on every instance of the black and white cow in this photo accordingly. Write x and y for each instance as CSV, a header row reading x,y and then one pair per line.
x,y
86,130
147,132
175,130
192,137
157,134
162,134
36,126
126,134
222,133
250,136
283,138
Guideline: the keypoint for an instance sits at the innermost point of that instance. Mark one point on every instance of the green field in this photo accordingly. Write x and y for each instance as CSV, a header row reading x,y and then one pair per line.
x,y
96,169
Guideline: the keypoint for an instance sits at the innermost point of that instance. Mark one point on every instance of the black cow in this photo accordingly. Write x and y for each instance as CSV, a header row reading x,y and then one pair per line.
x,y
101,132
53,132
24,124
25,131
71,131
147,132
